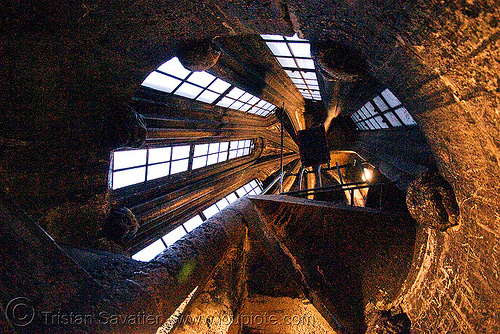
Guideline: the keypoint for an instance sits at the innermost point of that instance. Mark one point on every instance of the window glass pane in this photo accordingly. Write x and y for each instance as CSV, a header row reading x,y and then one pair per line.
x,y
171,237
374,123
201,78
235,93
253,100
200,149
295,37
254,110
131,158
381,122
232,154
272,37
159,155
156,171
405,116
225,102
222,156
175,68
241,192
236,105
390,98
188,90
370,125
309,75
293,74
301,49
208,97
261,103
161,82
222,204
245,107
305,63
392,119
381,104
210,211
128,177
246,97
179,152
370,109
148,253
193,223
213,148
279,49
199,162
247,187
224,146
179,166
231,197
219,86
287,62
212,159
363,111
361,114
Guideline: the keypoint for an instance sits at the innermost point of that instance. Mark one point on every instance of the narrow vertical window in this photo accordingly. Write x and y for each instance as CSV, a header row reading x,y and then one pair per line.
x,y
294,55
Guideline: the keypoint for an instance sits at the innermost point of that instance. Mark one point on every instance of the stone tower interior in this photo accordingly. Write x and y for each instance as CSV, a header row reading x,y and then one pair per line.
x,y
143,143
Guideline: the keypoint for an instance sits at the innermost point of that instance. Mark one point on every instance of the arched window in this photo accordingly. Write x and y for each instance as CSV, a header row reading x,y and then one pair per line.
x,y
254,187
172,77
294,55
133,166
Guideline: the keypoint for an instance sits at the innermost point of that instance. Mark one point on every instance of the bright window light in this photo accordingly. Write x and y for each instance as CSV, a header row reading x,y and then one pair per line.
x,y
172,77
279,49
390,98
161,82
130,158
207,96
188,90
381,104
301,49
272,37
193,223
174,235
294,53
210,211
219,86
159,154
179,166
157,171
128,177
405,116
179,152
148,253
382,112
287,62
174,68
202,79
209,154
